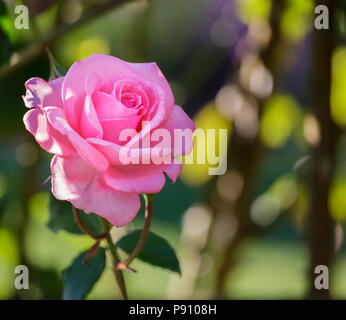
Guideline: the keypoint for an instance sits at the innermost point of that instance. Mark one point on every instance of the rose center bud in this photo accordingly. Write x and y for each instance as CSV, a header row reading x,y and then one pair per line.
x,y
131,100
121,109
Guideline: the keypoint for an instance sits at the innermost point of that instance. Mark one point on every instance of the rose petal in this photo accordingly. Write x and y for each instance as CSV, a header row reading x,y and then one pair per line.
x,y
173,171
107,107
39,93
93,82
48,138
75,181
84,149
107,67
123,89
152,72
150,123
135,156
110,150
56,85
141,178
113,127
90,124
178,119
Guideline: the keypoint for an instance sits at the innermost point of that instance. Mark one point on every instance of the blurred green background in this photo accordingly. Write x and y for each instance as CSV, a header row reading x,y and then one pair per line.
x,y
242,65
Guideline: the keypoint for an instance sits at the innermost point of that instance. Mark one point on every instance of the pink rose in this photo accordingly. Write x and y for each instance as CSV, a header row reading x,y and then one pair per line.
x,y
79,118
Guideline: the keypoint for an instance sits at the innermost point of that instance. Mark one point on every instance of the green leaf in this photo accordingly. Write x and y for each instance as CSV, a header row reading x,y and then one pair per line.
x,y
79,278
156,250
56,71
61,218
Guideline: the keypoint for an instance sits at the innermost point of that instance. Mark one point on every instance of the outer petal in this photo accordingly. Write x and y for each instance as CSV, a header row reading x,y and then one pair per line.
x,y
174,170
112,152
141,178
39,93
84,149
56,85
48,138
75,82
180,120
75,181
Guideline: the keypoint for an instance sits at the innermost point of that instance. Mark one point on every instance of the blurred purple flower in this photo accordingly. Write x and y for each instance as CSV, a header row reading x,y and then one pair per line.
x,y
223,28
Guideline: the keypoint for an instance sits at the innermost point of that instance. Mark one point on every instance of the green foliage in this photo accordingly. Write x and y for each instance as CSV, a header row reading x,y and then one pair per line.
x,y
156,250
61,218
79,278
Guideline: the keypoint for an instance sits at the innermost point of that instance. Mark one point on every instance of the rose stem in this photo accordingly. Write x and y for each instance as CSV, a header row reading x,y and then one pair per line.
x,y
117,273
84,228
106,235
148,217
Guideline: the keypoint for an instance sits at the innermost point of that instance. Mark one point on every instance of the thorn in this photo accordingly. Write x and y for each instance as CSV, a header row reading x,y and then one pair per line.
x,y
122,266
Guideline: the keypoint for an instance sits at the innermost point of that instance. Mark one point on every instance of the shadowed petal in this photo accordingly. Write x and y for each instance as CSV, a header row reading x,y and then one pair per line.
x,y
84,149
47,137
39,93
75,181
141,178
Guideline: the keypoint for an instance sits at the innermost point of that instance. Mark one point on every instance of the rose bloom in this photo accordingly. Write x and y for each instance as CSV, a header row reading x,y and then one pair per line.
x,y
79,118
